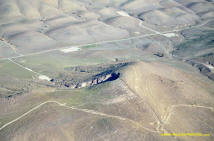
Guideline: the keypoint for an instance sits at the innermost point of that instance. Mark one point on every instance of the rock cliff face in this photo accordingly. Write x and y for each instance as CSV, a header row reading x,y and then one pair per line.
x,y
98,80
89,82
90,76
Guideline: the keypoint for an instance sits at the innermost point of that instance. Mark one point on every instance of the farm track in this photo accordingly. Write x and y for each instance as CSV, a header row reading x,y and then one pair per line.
x,y
78,109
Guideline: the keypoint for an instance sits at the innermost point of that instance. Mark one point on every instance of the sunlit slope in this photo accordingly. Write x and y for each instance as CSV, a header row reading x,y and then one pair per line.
x,y
50,24
38,8
176,97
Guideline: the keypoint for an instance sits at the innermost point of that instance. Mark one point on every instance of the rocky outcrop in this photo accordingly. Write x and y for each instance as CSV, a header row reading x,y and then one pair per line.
x,y
89,82
88,76
94,81
202,68
159,54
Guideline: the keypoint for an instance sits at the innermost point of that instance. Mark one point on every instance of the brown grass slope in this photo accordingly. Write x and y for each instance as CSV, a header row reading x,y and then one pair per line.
x,y
180,101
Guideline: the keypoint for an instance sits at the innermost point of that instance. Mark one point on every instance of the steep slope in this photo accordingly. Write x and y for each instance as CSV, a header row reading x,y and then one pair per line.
x,y
175,97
